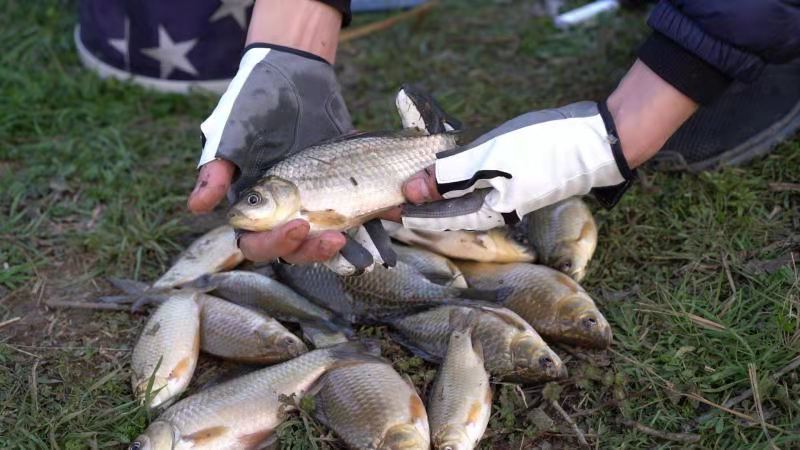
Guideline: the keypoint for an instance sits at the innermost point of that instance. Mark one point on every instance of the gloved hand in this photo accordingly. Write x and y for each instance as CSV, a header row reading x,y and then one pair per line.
x,y
280,102
525,164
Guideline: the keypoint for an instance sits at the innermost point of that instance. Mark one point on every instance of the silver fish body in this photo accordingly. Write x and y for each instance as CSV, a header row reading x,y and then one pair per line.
x,y
213,252
512,349
553,303
237,333
167,350
254,290
373,296
339,184
564,235
460,402
434,267
370,406
242,413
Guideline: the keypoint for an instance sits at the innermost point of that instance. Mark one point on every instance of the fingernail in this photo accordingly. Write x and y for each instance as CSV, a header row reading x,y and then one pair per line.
x,y
326,248
419,187
202,181
295,233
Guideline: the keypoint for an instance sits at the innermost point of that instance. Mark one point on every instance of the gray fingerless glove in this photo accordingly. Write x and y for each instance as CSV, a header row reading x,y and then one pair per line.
x,y
280,101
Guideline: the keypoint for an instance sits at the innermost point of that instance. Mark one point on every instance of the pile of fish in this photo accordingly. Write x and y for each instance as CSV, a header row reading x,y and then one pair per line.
x,y
472,302
476,304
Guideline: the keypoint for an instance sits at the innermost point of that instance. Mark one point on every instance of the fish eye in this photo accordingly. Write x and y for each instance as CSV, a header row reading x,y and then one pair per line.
x,y
253,199
135,445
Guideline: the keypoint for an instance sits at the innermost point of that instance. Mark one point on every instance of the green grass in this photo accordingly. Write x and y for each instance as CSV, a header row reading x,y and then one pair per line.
x,y
94,174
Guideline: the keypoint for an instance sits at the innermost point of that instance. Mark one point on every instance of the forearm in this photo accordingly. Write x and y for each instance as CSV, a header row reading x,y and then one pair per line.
x,y
306,25
647,111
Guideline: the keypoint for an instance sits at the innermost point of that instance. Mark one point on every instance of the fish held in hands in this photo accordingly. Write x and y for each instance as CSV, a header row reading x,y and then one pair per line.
x,y
213,252
553,303
370,406
339,184
244,412
460,402
166,353
512,349
564,235
240,334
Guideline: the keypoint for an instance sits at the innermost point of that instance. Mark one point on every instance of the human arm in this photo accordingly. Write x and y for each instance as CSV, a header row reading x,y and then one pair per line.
x,y
688,60
234,157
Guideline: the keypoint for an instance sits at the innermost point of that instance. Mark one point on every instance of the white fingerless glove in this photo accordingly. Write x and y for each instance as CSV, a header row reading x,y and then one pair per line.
x,y
527,163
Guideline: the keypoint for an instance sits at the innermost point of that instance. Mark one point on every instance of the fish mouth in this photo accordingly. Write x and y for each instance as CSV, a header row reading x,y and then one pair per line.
x,y
240,221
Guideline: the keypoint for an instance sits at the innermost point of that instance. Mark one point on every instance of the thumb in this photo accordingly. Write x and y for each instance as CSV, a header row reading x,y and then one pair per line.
x,y
421,187
213,182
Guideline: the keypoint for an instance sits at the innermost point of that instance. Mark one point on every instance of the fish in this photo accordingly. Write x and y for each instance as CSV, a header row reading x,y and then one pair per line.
x,y
512,349
460,402
215,251
240,334
494,245
165,355
255,290
564,235
340,184
370,406
376,295
243,413
553,303
435,268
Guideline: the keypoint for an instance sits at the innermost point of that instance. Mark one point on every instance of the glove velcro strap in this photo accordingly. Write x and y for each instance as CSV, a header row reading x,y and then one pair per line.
x,y
466,185
608,196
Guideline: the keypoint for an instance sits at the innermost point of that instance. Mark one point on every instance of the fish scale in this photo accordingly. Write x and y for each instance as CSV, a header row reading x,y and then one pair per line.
x,y
461,399
373,296
234,332
244,412
512,348
324,174
553,303
370,405
338,185
167,349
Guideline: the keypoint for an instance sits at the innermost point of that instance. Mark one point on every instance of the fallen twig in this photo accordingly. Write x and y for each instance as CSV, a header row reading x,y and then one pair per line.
x,y
9,321
741,415
751,371
687,438
793,364
578,433
86,305
784,187
389,22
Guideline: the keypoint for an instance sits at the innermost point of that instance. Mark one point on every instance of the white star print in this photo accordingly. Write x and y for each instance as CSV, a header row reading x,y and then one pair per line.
x,y
122,45
234,8
171,55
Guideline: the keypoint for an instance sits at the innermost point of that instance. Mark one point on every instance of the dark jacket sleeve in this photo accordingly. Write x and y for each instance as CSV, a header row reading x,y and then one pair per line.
x,y
699,46
343,6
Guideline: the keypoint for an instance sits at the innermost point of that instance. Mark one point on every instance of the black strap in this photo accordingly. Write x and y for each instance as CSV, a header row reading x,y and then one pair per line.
x,y
609,196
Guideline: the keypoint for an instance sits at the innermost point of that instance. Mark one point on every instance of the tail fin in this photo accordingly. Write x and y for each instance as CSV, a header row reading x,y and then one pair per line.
x,y
130,287
366,350
203,283
463,320
323,334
